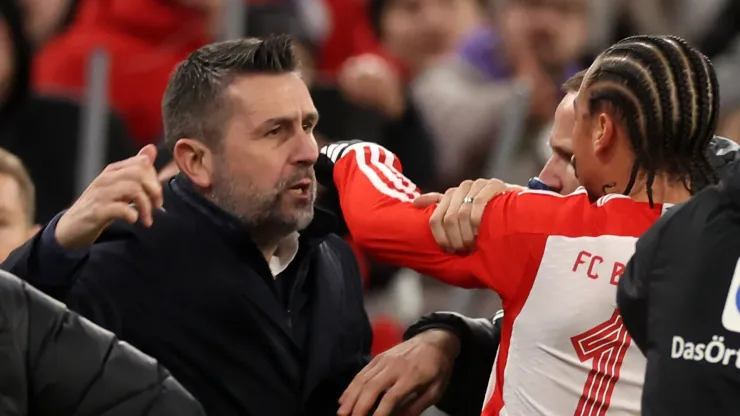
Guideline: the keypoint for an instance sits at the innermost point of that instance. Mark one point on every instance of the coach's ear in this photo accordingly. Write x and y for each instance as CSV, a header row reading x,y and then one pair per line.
x,y
195,160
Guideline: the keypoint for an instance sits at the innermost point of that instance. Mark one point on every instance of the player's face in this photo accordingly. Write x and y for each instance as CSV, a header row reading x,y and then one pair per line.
x,y
558,173
15,226
264,171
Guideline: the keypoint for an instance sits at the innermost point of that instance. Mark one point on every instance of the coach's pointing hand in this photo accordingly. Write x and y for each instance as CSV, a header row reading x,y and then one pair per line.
x,y
127,190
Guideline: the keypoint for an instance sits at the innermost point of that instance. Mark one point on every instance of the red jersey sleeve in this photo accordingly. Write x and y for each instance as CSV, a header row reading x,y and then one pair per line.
x,y
376,201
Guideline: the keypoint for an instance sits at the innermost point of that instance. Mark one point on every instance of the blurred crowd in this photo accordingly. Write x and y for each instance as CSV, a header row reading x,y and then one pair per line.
x,y
456,88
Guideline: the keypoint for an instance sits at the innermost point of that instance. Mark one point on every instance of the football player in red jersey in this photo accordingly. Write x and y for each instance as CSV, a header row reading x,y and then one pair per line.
x,y
644,116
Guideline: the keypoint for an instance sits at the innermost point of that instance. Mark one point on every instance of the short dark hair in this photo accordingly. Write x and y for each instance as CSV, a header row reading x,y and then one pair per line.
x,y
667,95
573,84
193,105
12,166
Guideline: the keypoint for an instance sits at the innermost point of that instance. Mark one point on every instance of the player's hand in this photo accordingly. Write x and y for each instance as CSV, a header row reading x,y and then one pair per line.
x,y
413,375
109,197
455,222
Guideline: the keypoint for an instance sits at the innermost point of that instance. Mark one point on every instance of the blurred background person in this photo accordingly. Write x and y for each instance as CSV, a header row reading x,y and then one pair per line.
x,y
44,131
464,99
17,204
144,40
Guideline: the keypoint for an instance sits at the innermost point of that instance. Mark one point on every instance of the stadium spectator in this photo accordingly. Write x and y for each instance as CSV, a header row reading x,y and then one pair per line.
x,y
236,286
44,19
54,362
464,99
418,33
17,204
630,169
145,39
43,131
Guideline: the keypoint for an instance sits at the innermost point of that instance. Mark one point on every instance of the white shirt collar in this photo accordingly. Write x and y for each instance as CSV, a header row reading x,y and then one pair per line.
x,y
284,254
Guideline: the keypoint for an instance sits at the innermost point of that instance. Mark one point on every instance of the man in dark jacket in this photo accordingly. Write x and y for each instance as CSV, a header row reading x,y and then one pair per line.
x,y
55,363
235,285
680,301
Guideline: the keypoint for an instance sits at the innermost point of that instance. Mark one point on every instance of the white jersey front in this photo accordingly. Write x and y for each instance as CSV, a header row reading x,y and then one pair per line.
x,y
566,351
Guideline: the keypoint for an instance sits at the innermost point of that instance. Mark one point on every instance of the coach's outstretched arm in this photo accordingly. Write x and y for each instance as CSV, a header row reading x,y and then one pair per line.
x,y
56,362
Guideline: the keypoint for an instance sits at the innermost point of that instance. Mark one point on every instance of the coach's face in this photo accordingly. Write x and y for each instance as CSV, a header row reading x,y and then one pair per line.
x,y
263,172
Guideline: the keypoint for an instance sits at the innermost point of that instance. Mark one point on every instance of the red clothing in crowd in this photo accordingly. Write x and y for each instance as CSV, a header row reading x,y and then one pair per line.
x,y
351,35
145,39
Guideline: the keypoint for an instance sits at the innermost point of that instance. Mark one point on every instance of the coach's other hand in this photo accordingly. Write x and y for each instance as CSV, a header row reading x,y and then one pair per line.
x,y
413,375
127,190
458,215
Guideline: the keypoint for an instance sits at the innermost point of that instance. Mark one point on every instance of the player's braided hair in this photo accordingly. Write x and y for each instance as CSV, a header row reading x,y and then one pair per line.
x,y
666,93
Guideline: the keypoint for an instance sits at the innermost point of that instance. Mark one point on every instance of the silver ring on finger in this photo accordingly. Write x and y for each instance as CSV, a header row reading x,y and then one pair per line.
x,y
468,200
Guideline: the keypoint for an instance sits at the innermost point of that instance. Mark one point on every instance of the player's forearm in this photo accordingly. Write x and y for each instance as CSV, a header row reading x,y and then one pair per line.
x,y
376,201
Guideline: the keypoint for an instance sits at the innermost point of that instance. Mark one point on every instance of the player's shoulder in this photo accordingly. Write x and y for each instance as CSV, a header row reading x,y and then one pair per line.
x,y
536,202
575,214
544,198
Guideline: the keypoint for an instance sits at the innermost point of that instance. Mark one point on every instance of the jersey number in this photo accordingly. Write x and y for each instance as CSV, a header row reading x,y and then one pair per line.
x,y
605,346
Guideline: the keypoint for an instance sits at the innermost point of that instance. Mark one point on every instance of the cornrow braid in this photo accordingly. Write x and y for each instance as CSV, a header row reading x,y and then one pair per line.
x,y
667,95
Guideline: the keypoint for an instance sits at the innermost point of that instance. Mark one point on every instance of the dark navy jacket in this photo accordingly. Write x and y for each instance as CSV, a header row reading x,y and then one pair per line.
x,y
195,293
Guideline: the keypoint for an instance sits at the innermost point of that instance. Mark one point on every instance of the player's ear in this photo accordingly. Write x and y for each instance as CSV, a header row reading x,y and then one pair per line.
x,y
195,160
603,134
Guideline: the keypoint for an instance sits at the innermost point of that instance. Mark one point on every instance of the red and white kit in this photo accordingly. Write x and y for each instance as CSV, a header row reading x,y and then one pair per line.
x,y
554,260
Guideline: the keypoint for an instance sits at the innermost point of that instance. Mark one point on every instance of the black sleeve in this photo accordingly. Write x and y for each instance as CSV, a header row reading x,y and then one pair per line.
x,y
108,272
76,367
633,287
479,342
353,360
43,263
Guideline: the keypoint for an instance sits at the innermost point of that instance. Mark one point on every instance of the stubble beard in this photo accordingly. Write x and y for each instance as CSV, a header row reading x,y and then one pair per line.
x,y
267,215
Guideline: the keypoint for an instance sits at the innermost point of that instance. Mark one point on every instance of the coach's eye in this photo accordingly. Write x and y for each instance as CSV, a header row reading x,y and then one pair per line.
x,y
274,131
